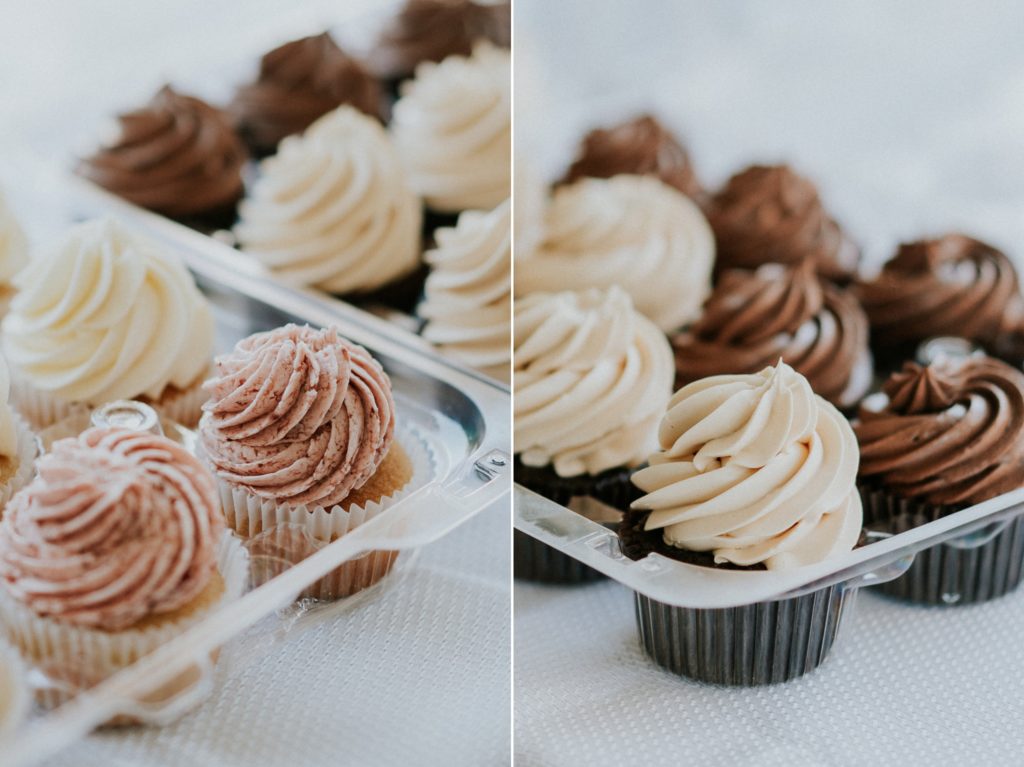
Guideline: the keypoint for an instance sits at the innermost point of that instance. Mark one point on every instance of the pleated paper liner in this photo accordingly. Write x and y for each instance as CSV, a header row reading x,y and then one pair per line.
x,y
15,697
279,536
536,561
75,658
19,470
746,646
987,564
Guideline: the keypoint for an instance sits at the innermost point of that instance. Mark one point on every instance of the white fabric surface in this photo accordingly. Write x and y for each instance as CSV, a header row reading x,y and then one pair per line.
x,y
910,116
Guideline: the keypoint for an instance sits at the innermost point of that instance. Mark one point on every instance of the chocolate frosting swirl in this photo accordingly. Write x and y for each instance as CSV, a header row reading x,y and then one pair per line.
x,y
754,318
642,147
950,286
298,415
298,82
772,214
118,525
177,155
951,433
432,30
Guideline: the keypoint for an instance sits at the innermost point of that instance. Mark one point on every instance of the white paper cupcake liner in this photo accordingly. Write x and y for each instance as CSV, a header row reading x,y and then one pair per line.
x,y
14,691
279,536
75,658
28,451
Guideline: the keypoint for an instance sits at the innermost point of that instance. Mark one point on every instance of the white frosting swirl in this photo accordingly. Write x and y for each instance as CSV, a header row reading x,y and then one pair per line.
x,y
13,244
755,468
333,208
468,304
591,377
107,315
531,204
453,128
632,231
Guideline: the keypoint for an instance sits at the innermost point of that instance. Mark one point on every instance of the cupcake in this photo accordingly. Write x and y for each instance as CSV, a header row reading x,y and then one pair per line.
x,y
591,377
433,30
299,430
453,130
468,295
770,214
333,209
177,156
640,147
950,286
941,438
755,472
297,83
13,253
631,231
112,550
107,315
753,319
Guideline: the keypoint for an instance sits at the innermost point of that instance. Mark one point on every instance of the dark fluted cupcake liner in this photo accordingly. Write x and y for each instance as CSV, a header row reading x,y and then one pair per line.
x,y
536,561
748,646
947,574
402,295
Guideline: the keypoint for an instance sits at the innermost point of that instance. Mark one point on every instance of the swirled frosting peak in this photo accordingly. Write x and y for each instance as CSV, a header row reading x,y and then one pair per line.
x,y
177,155
299,416
13,243
107,315
950,433
453,129
632,231
433,30
756,469
298,82
333,208
754,318
468,304
770,214
118,525
642,146
591,377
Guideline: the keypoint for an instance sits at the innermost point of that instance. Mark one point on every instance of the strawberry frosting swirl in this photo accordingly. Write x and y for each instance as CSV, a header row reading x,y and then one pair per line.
x,y
118,525
298,415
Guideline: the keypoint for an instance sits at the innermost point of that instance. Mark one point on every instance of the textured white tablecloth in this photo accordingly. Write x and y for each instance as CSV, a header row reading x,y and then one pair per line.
x,y
910,115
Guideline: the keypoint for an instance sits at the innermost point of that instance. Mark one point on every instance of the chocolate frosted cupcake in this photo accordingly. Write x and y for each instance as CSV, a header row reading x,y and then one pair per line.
x,y
432,30
755,318
770,214
754,472
299,82
950,286
591,377
941,438
177,156
300,433
640,147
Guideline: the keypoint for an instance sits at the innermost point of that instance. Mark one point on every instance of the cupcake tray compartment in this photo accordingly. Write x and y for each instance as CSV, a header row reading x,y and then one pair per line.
x,y
461,415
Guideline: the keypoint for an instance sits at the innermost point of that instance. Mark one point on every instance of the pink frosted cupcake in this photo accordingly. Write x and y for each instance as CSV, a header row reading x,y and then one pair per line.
x,y
300,432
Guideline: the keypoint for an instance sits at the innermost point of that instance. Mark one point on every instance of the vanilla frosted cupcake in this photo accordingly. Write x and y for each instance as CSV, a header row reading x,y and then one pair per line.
x,y
107,315
453,129
333,208
299,430
114,548
632,231
468,305
13,253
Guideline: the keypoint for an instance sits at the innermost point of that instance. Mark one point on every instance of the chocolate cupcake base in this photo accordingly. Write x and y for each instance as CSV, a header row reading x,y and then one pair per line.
x,y
536,561
949,573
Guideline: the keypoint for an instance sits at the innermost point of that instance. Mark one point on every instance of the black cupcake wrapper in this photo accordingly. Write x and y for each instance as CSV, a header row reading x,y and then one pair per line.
x,y
748,646
536,561
945,574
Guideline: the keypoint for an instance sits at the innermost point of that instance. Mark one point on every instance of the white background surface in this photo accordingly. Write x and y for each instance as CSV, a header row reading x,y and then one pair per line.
x,y
418,676
910,115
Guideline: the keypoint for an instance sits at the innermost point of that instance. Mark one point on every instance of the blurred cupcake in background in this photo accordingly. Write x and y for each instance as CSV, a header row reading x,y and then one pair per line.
x,y
468,295
102,316
19,447
13,253
631,231
753,319
453,130
334,209
771,214
177,156
299,82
